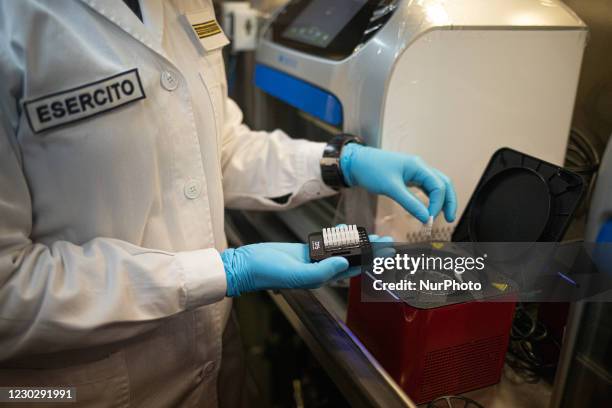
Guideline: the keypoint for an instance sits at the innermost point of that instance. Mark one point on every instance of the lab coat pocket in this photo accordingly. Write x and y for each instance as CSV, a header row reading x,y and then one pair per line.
x,y
99,384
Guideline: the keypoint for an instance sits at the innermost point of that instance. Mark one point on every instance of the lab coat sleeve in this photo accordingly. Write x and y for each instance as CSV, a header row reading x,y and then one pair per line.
x,y
65,296
261,166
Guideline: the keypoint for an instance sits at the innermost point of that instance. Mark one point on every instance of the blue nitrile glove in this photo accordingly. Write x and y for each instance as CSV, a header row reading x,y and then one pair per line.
x,y
389,173
275,265
384,249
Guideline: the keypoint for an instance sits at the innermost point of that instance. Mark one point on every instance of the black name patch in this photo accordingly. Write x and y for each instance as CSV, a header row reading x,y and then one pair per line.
x,y
71,105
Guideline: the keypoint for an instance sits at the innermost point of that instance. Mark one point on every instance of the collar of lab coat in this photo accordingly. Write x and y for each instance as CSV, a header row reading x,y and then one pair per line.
x,y
150,33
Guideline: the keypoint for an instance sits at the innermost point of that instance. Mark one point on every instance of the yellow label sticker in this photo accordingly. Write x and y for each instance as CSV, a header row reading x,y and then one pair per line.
x,y
500,286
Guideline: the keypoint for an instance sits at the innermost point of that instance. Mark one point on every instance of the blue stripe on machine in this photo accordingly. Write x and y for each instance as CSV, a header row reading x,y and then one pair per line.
x,y
299,94
605,233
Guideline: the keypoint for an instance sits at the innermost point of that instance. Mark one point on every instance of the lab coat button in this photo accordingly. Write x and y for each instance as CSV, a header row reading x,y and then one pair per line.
x,y
209,368
192,189
169,81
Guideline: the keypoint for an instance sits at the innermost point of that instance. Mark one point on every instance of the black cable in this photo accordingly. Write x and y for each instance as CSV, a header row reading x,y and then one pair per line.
x,y
526,335
583,158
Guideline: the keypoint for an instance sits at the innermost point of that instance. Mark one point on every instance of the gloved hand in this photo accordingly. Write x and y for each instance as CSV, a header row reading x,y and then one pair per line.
x,y
389,173
274,265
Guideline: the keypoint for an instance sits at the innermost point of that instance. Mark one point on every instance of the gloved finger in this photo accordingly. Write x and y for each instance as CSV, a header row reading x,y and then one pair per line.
x,y
320,272
382,249
450,197
295,250
349,273
409,202
385,251
427,179
376,238
382,246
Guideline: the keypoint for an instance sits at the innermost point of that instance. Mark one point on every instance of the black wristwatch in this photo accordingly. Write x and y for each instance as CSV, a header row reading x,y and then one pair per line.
x,y
331,172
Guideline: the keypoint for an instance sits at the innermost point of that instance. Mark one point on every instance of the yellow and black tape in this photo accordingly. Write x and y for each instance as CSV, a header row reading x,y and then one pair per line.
x,y
206,29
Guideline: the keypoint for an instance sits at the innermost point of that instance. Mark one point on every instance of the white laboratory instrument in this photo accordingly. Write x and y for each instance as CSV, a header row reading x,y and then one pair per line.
x,y
450,81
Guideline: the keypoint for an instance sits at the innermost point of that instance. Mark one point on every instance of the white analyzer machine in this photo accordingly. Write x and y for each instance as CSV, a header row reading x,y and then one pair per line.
x,y
449,81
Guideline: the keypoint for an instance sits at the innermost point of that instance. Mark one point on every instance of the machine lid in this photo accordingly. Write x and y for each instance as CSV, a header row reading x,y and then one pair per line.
x,y
520,198
509,195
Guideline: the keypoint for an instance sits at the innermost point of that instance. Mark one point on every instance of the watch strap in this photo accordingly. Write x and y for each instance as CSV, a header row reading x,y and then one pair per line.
x,y
331,171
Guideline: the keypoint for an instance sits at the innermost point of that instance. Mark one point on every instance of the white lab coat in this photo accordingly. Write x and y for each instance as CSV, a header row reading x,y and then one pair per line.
x,y
111,226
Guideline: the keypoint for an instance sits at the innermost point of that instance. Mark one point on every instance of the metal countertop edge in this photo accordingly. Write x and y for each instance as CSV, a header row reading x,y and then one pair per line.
x,y
360,378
